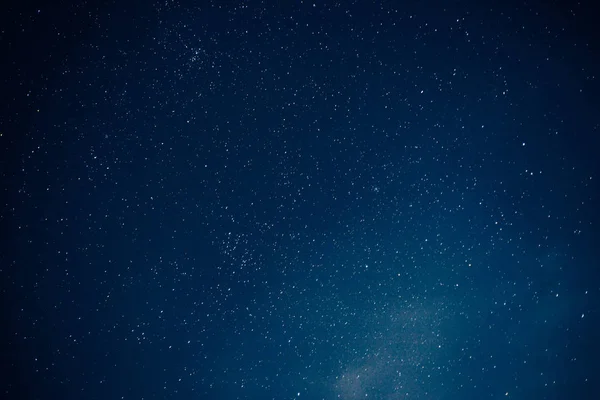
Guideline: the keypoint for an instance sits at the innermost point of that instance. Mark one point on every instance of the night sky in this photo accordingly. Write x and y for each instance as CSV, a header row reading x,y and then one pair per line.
x,y
299,200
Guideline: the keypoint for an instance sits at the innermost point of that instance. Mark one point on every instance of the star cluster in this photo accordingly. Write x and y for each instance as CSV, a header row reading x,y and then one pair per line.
x,y
320,200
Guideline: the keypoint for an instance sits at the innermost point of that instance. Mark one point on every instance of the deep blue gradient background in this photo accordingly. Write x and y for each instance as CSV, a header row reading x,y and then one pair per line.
x,y
254,200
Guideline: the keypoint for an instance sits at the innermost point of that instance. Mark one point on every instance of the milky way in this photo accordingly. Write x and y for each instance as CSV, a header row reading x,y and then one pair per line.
x,y
299,200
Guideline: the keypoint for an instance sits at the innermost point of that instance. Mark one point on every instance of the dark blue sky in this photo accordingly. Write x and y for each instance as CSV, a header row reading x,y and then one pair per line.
x,y
299,200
